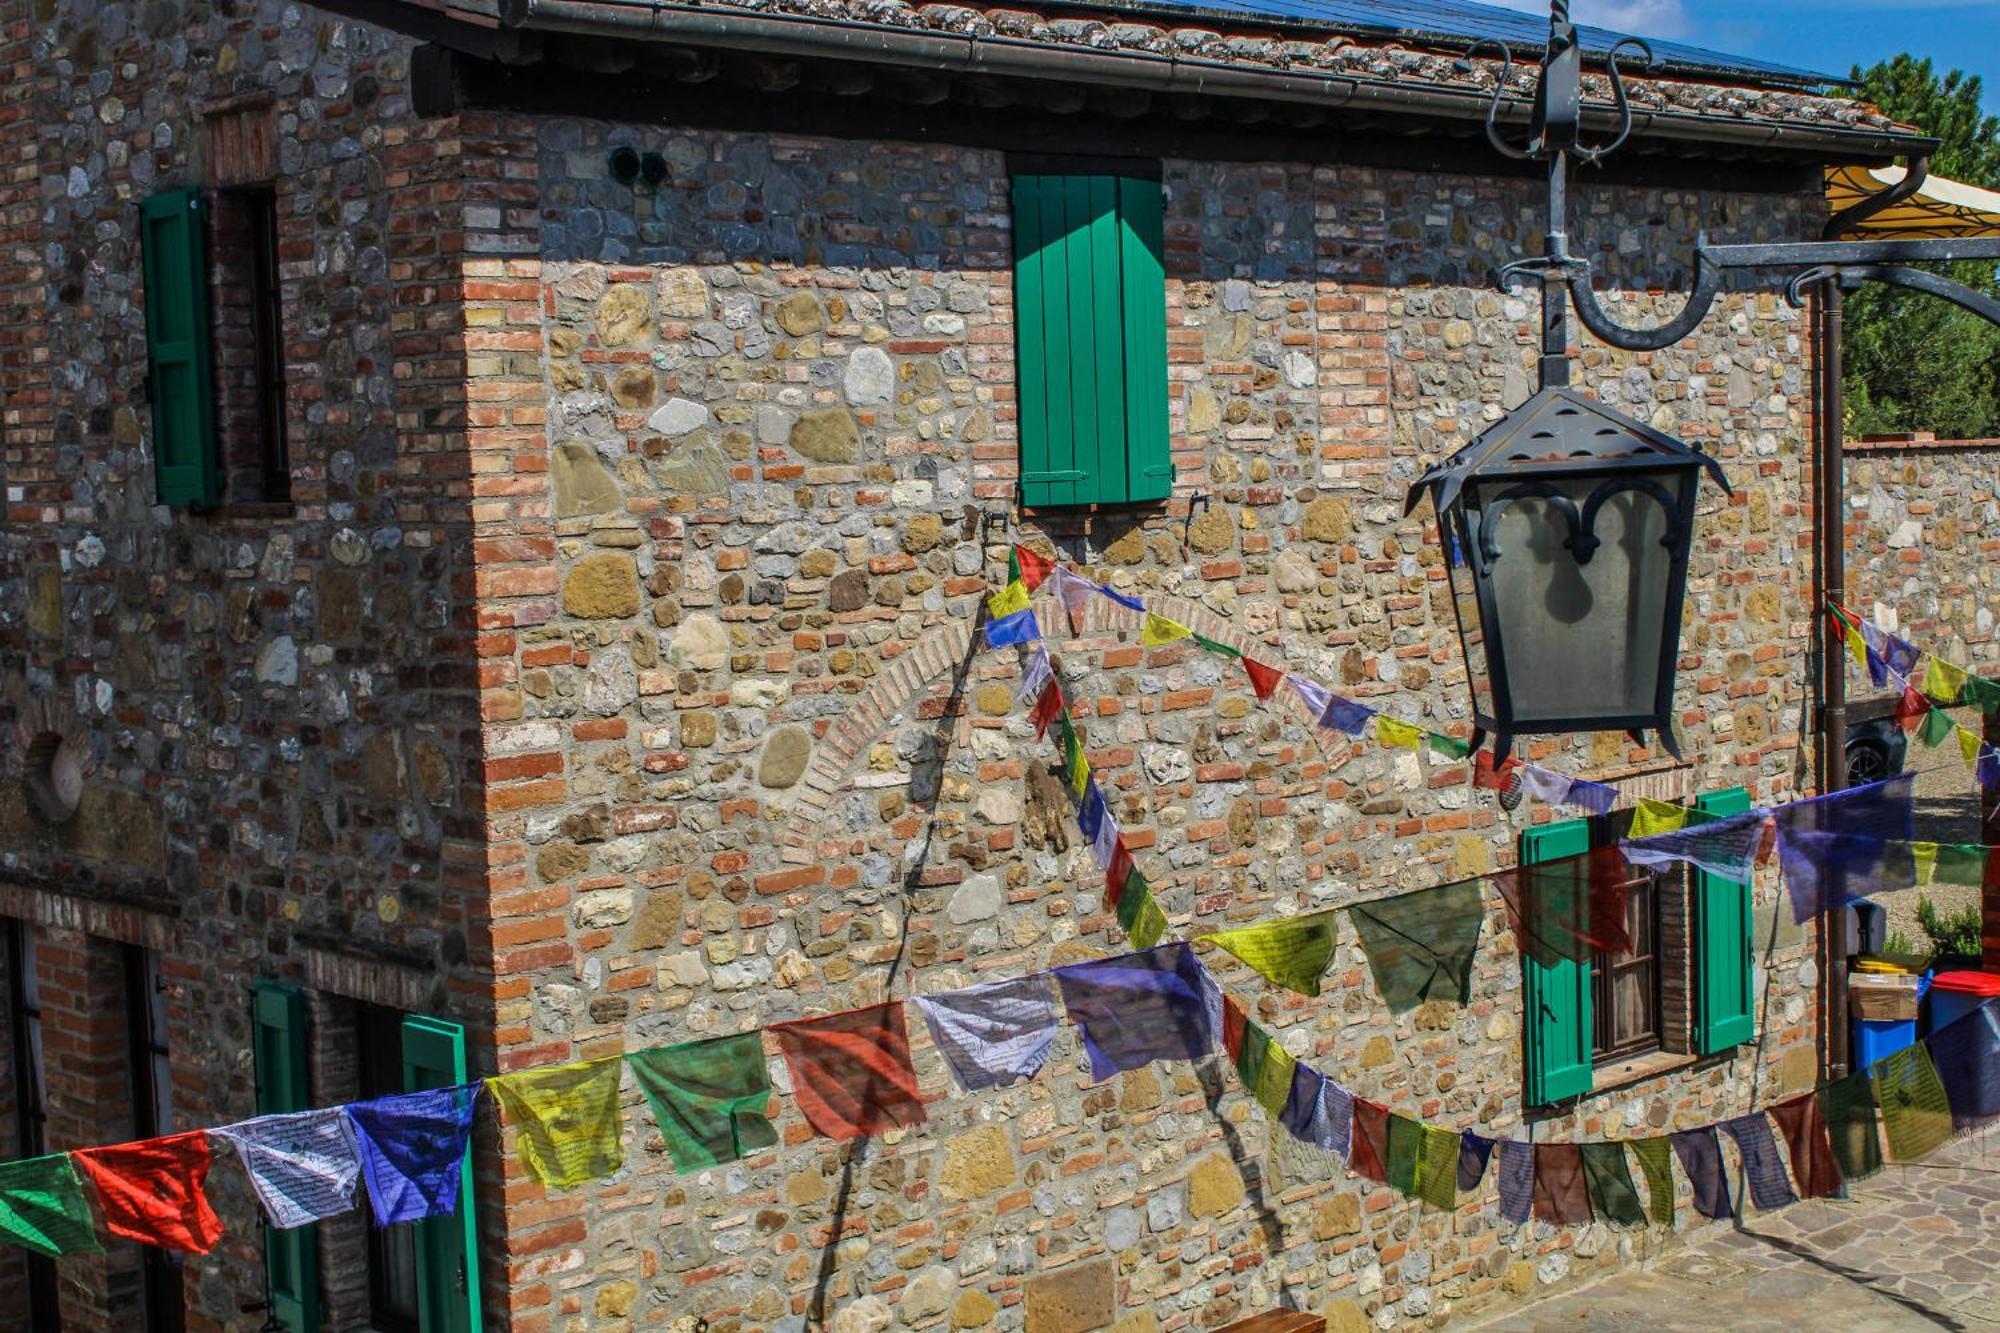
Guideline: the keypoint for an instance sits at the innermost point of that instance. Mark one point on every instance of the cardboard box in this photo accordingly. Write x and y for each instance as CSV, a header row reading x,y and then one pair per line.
x,y
1881,998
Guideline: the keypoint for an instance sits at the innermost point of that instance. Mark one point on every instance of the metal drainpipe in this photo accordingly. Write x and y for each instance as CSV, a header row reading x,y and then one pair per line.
x,y
1832,505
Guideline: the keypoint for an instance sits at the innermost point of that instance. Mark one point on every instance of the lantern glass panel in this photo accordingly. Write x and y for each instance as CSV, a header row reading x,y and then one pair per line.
x,y
1465,606
1580,639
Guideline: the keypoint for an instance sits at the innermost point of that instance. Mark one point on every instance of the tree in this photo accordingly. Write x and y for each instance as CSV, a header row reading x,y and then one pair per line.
x,y
1914,362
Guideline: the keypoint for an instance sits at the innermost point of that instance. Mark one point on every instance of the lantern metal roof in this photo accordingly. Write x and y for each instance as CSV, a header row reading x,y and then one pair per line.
x,y
1556,430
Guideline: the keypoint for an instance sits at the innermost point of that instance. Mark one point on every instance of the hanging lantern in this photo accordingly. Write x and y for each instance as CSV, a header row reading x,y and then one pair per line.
x,y
1566,530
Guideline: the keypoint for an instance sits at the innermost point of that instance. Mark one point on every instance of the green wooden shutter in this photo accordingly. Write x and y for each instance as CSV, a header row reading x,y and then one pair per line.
x,y
174,243
447,1247
1556,1031
1091,340
291,1256
1723,1014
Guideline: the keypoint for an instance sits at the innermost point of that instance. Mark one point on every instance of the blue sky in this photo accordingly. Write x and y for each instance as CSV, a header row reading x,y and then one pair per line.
x,y
1828,35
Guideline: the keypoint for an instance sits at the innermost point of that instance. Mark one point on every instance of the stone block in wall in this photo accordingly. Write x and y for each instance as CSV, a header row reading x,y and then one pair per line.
x,y
1071,1300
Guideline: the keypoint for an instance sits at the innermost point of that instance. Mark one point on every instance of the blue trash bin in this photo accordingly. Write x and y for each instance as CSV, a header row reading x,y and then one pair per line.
x,y
1956,994
1879,1038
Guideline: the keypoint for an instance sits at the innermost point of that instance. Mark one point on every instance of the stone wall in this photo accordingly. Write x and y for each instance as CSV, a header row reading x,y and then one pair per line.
x,y
1923,543
773,780
278,701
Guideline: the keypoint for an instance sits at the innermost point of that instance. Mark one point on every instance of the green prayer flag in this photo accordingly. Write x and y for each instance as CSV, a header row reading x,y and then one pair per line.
x,y
1437,1167
1132,899
1849,1108
42,1207
1449,746
1937,727
1916,1118
1612,1194
1406,1138
1420,945
1982,693
1222,648
1654,1157
1291,951
1274,1080
1151,926
708,1098
1960,863
1250,1055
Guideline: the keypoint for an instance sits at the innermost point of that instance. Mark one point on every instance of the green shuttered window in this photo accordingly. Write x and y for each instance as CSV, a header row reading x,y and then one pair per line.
x,y
1090,308
291,1257
447,1247
1557,1025
1723,1014
181,375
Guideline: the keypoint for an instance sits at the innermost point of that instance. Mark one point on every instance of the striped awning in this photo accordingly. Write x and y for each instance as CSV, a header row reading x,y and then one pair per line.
x,y
1939,209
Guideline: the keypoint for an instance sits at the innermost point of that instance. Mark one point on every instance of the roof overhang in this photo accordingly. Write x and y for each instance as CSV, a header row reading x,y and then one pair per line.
x,y
1940,209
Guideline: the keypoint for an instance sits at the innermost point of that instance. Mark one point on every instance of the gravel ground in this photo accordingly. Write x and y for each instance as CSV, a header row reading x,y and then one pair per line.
x,y
1947,811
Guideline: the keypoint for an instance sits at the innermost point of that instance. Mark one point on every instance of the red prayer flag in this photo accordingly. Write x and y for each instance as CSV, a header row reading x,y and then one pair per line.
x,y
1048,706
851,1072
1493,777
1033,567
1910,709
1814,1165
1263,679
1117,873
152,1191
1572,907
1233,1019
1368,1142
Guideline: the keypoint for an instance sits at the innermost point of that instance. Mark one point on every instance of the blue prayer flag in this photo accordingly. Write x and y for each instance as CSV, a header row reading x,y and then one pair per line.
x,y
1346,715
413,1150
1142,1007
1020,627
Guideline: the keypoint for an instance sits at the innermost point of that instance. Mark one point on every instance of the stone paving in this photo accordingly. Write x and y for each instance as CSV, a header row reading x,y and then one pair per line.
x,y
1915,1248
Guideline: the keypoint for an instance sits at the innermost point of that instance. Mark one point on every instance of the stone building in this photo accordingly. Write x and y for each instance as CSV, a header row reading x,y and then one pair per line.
x,y
497,493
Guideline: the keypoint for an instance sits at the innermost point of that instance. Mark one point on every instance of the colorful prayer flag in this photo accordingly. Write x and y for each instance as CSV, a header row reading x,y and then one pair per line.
x,y
42,1207
851,1072
1451,747
1149,927
305,1166
1725,847
1274,1079
1613,1196
1319,1111
1762,1167
1038,673
1420,946
1517,1180
994,1034
413,1150
1311,691
1701,1157
1562,1192
1474,1151
1010,600
1158,631
565,1118
1031,567
1104,844
1292,952
1118,873
1436,1181
1818,865
1345,715
1936,728
1815,1170
1126,600
1013,630
1911,709
1653,1164
1656,817
1916,1118
1073,590
1391,732
1218,648
1852,1122
1368,1142
1158,1004
1968,746
1944,683
1569,908
153,1191
1048,707
1264,680
709,1098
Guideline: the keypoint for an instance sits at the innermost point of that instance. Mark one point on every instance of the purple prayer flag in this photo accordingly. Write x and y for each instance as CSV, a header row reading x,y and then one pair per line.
x,y
1517,1179
1762,1166
1545,784
1724,847
993,1034
1832,847
1319,1111
1311,691
1597,797
1155,1005
1701,1157
1473,1150
1345,715
1090,814
1989,768
1129,603
413,1150
1901,655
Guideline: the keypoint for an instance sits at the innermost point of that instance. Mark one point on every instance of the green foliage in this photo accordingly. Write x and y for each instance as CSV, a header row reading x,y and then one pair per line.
x,y
1899,943
1951,933
1915,362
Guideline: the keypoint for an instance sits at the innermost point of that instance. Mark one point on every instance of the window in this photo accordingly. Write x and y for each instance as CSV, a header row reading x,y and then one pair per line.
x,y
152,1115
31,1106
180,378
1684,987
291,1254
249,346
1091,338
423,1277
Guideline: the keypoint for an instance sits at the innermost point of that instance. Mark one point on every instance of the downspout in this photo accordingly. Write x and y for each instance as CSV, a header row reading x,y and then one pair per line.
x,y
1830,471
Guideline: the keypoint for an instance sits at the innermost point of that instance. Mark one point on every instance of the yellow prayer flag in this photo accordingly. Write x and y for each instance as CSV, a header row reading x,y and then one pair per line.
x,y
565,1120
1158,630
1391,732
1943,682
1079,774
1857,646
1149,927
1657,817
1274,1079
1968,745
1925,855
1012,598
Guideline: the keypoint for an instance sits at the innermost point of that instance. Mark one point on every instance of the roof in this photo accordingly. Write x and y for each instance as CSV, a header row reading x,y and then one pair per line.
x,y
1462,22
1940,209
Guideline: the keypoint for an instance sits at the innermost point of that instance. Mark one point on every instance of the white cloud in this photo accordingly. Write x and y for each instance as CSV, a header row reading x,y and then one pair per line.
x,y
1643,18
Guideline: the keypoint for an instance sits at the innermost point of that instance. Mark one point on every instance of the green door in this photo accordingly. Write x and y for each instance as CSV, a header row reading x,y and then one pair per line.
x,y
447,1247
291,1255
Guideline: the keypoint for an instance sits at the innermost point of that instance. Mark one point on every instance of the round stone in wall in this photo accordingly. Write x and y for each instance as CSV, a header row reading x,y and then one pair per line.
x,y
786,755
